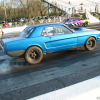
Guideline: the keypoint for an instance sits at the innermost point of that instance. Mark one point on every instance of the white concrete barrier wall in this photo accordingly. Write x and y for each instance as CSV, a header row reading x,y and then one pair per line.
x,y
14,29
86,90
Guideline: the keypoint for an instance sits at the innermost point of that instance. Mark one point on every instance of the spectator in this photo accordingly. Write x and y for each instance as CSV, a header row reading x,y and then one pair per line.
x,y
96,8
54,19
16,24
60,19
81,8
20,23
10,24
49,19
55,3
69,2
32,22
73,10
6,24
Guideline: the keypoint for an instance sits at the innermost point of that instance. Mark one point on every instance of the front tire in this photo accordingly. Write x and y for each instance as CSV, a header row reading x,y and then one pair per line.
x,y
33,55
86,24
90,44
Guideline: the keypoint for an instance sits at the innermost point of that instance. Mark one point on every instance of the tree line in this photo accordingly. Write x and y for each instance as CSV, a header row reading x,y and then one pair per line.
x,y
16,9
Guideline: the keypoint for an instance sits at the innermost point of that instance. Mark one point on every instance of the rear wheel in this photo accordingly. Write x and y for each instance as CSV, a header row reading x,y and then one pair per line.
x,y
90,43
33,55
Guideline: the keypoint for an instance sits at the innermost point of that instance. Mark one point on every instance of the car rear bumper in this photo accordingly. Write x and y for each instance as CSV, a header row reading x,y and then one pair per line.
x,y
14,53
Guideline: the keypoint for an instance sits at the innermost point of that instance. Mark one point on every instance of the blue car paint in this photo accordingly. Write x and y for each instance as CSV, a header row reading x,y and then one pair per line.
x,y
49,43
63,41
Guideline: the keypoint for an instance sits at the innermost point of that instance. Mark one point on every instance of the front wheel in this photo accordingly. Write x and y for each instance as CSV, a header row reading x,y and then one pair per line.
x,y
33,55
86,24
90,43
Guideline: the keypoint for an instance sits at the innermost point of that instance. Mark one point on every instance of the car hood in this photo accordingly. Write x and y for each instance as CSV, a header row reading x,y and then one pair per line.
x,y
13,38
81,29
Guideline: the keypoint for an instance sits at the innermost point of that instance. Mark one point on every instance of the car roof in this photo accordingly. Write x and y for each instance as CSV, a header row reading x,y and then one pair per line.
x,y
47,24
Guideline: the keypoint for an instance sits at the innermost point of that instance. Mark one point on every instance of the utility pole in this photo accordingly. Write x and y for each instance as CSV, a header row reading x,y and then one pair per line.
x,y
5,11
48,8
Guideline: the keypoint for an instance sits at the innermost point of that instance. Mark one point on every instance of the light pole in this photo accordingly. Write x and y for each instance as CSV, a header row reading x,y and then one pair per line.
x,y
5,11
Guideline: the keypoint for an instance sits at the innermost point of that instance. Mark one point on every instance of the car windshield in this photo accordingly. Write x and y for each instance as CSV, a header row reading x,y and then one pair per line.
x,y
26,32
65,20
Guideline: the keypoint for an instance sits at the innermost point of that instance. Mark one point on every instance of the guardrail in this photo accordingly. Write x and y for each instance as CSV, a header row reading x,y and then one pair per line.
x,y
14,29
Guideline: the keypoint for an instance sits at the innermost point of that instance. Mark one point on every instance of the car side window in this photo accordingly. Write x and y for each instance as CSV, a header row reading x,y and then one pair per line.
x,y
44,33
26,32
55,30
60,29
77,19
48,31
71,20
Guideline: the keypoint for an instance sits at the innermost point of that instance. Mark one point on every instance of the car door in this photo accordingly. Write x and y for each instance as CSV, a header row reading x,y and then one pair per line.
x,y
46,39
61,37
78,21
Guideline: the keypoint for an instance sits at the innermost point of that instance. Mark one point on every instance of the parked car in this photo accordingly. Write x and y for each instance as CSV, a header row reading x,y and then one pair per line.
x,y
21,20
1,22
46,17
34,18
34,41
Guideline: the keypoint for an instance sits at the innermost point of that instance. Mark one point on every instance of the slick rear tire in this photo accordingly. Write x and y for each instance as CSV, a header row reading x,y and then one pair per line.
x,y
90,44
33,55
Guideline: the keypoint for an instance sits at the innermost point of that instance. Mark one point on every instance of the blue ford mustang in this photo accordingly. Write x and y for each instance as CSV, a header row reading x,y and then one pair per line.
x,y
37,40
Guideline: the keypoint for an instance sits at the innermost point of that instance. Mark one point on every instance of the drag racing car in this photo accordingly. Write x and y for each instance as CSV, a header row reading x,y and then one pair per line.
x,y
76,22
34,41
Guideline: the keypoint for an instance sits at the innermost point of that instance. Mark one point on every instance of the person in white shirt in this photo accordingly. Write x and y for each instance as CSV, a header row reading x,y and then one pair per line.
x,y
10,24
